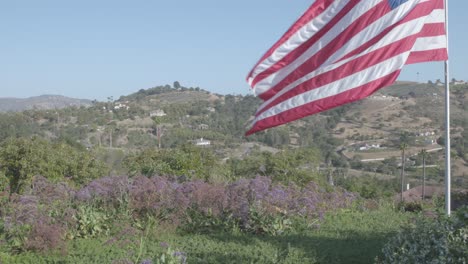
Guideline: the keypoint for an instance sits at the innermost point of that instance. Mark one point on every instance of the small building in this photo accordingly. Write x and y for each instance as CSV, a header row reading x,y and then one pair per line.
x,y
369,147
429,141
202,142
458,82
203,127
157,113
119,105
439,83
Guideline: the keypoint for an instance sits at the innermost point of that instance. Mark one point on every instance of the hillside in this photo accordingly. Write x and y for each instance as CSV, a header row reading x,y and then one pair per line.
x,y
42,102
363,136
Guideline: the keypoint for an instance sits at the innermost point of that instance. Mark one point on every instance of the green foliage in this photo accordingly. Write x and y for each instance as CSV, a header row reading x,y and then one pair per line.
x,y
200,222
276,137
291,165
262,222
17,125
4,185
143,93
170,256
16,236
113,158
460,143
22,158
442,240
369,187
231,115
90,222
295,165
139,139
189,161
414,207
344,237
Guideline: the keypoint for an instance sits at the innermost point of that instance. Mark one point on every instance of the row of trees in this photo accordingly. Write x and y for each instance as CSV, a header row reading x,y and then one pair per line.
x,y
21,159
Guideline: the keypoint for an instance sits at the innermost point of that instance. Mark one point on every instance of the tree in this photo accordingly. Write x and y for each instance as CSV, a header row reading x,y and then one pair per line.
x,y
22,158
189,161
177,85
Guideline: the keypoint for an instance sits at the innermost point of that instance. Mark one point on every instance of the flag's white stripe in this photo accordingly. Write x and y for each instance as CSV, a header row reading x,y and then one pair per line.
x,y
436,16
389,19
400,32
363,77
430,43
301,36
360,9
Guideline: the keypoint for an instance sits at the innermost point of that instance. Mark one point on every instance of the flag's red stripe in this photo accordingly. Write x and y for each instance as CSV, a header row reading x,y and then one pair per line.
x,y
324,104
313,63
314,10
432,30
290,111
427,55
363,62
435,29
293,55
440,4
352,67
320,57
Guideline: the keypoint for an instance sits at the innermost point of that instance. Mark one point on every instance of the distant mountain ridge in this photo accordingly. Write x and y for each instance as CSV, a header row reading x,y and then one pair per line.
x,y
42,102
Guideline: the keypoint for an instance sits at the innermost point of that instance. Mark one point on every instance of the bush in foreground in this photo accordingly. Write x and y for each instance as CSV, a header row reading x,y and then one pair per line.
x,y
49,213
443,240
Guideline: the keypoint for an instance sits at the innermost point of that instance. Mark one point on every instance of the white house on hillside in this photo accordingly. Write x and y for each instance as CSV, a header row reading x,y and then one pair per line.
x,y
202,142
158,113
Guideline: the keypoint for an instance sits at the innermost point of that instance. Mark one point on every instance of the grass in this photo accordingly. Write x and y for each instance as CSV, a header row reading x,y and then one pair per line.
x,y
348,236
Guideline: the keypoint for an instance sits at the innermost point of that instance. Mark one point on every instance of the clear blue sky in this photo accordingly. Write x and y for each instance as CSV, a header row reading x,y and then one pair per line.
x,y
100,48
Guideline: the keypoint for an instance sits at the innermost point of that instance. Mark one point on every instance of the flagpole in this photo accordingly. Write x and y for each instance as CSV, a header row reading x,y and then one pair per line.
x,y
447,122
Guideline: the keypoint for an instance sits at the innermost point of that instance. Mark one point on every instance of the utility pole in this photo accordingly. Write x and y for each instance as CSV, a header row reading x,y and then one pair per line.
x,y
424,154
403,147
330,176
158,131
57,124
110,138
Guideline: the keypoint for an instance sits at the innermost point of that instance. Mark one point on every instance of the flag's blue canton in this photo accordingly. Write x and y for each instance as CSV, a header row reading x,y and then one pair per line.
x,y
395,3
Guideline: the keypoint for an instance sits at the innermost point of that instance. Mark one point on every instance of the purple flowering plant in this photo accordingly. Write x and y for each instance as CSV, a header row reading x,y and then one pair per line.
x,y
49,213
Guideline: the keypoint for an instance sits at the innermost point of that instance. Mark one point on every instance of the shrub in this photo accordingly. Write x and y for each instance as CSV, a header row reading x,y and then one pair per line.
x,y
90,222
40,219
48,213
106,192
442,240
414,207
22,159
27,227
169,256
263,222
188,161
3,182
44,236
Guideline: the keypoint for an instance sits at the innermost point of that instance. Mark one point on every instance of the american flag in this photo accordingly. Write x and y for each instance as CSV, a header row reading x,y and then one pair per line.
x,y
340,51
